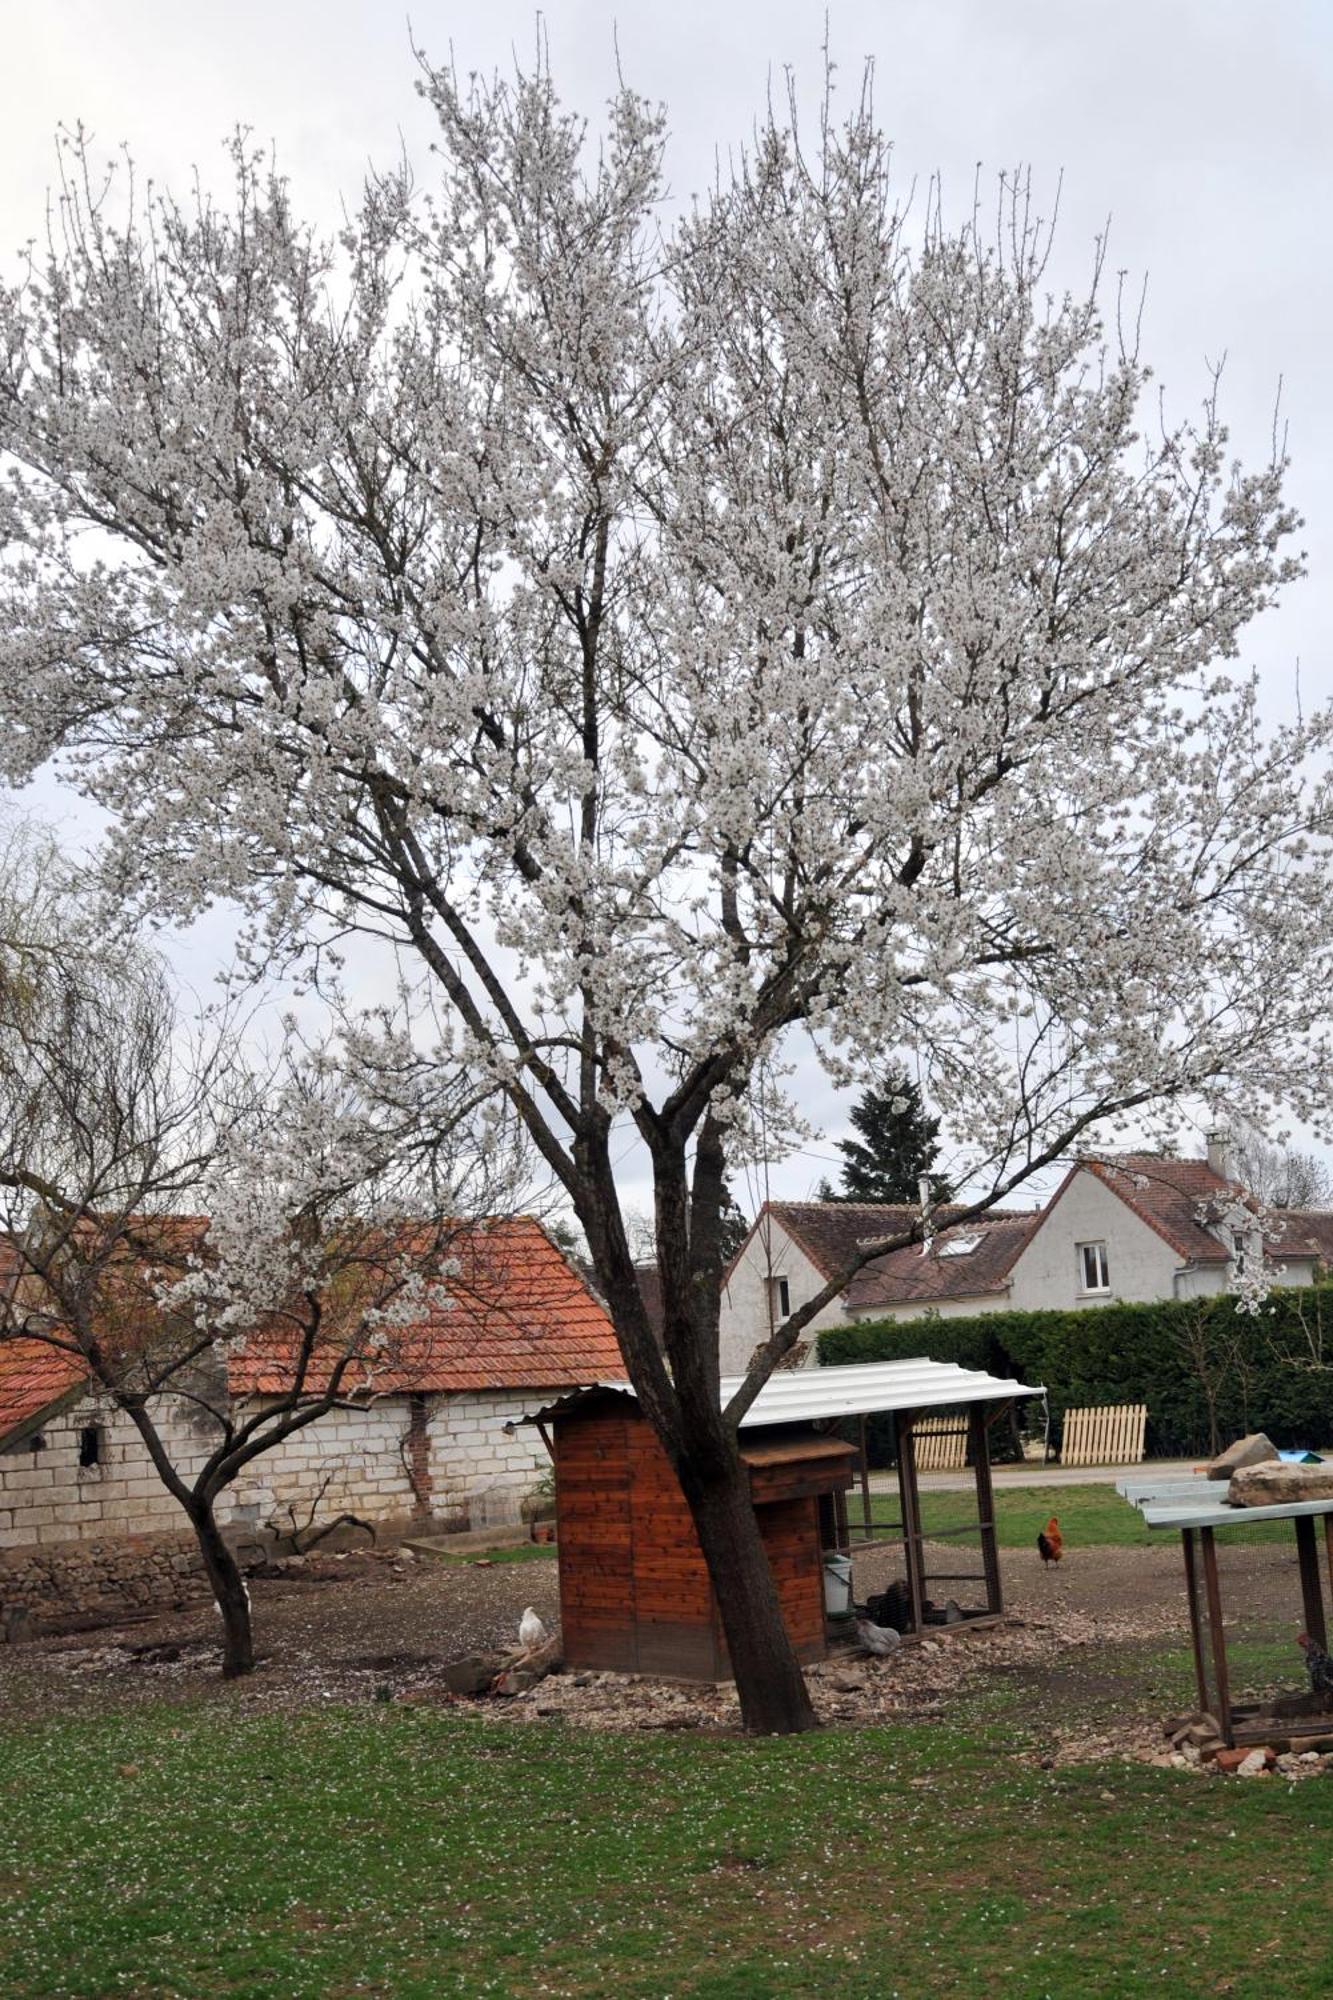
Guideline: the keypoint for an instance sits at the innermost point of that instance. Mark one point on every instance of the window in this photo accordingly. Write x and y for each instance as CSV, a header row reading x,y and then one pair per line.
x,y
1093,1269
781,1297
961,1246
90,1445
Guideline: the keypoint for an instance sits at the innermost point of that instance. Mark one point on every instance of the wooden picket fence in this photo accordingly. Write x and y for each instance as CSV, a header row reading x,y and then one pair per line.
x,y
941,1444
1111,1434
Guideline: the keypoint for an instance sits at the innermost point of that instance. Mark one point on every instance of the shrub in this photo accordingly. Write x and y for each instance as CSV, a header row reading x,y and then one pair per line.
x,y
1206,1370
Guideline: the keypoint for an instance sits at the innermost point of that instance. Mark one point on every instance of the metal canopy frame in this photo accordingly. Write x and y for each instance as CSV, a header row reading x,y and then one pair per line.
x,y
908,1529
1194,1507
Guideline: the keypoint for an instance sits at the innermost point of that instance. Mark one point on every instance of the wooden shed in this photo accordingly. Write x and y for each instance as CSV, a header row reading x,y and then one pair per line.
x,y
634,1589
635,1594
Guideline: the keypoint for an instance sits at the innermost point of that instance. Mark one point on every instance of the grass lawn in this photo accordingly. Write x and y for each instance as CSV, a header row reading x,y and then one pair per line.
x,y
1090,1516
407,1853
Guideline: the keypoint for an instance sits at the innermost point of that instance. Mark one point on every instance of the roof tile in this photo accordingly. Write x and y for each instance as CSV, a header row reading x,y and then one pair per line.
x,y
515,1316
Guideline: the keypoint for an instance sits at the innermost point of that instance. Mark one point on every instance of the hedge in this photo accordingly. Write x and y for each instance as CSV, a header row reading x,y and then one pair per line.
x,y
1207,1371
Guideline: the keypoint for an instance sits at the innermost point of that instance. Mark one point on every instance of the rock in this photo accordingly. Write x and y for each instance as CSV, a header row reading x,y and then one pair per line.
x,y
1255,1449
473,1674
15,1624
1278,1484
1247,1763
847,1683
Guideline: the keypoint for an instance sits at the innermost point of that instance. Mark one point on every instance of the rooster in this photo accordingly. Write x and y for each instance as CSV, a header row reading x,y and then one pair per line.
x,y
1050,1542
1318,1666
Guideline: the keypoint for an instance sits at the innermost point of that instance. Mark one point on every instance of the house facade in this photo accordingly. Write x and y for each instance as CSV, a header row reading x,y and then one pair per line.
x,y
430,1446
1138,1226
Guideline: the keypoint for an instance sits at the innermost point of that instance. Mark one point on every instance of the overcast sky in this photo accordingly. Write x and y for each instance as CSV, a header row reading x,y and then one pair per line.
x,y
1199,127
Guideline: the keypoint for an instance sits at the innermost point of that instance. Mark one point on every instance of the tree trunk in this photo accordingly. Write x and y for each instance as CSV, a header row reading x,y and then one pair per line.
x,y
229,1593
773,1695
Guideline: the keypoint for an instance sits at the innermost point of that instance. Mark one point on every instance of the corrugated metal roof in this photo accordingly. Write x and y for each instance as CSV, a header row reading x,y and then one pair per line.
x,y
1199,1503
864,1388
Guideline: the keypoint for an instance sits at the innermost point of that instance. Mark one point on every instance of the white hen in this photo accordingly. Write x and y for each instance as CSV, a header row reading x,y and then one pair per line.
x,y
880,1639
531,1631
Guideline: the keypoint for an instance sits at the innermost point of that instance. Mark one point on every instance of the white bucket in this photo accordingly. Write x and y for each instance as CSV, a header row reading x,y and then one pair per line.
x,y
837,1584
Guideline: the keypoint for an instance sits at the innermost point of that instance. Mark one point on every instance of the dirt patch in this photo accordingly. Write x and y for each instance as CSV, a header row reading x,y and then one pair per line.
x,y
1087,1664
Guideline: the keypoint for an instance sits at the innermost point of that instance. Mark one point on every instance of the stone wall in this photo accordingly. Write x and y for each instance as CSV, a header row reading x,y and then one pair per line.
x,y
107,1534
47,1497
72,1581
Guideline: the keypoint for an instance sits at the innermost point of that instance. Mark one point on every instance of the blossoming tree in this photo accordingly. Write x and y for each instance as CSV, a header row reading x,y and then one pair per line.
x,y
671,636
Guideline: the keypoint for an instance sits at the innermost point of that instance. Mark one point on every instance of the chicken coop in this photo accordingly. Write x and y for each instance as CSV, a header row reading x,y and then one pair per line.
x,y
635,1594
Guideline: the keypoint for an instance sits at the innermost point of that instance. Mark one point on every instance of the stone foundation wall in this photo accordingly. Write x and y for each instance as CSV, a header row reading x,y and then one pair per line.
x,y
106,1536
95,1580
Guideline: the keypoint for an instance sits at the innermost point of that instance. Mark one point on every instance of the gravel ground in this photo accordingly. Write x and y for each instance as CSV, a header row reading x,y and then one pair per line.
x,y
1077,1667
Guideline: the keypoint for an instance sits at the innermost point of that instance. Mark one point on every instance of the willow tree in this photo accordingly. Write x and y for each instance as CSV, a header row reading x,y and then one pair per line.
x,y
671,633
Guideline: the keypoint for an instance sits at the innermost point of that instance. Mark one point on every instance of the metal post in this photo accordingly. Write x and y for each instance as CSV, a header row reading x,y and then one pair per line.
x,y
1312,1598
1217,1636
979,1446
1196,1630
866,1518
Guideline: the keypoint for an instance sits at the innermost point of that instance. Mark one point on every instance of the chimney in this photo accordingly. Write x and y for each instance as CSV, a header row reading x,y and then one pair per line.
x,y
923,1193
1218,1142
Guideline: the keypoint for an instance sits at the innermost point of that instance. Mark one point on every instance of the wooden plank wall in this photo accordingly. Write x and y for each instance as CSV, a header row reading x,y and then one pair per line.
x,y
790,1529
676,1619
1110,1434
597,1614
635,1594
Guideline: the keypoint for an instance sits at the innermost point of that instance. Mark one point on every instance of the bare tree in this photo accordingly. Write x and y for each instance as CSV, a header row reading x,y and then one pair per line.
x,y
1280,1176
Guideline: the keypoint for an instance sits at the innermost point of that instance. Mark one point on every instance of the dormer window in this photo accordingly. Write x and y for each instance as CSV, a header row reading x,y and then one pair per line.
x,y
1094,1271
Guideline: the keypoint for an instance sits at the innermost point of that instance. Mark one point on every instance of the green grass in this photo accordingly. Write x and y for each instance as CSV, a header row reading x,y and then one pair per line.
x,y
517,1552
1090,1516
410,1854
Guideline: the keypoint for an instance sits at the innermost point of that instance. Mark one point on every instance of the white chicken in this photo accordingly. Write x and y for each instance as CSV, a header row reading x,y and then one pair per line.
x,y
531,1632
878,1639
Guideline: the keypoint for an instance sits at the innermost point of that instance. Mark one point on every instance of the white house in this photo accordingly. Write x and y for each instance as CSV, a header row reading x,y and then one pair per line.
x,y
1136,1226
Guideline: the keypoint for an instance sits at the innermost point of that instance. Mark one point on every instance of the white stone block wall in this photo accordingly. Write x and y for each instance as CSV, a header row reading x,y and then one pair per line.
x,y
470,1452
359,1453
47,1498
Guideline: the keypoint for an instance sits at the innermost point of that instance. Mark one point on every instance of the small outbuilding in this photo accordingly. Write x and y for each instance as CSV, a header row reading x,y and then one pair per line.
x,y
635,1594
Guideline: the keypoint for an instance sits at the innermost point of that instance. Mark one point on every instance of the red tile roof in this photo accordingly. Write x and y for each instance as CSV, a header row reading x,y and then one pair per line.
x,y
1180,1198
909,1277
832,1232
517,1316
34,1376
1170,1195
35,1379
1306,1232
